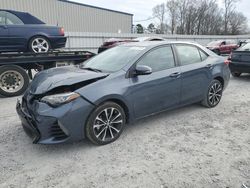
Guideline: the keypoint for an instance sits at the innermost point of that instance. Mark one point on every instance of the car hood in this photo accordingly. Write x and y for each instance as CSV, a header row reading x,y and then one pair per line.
x,y
48,80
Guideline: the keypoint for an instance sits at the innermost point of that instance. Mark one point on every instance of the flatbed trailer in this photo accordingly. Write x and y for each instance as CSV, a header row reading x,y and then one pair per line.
x,y
16,68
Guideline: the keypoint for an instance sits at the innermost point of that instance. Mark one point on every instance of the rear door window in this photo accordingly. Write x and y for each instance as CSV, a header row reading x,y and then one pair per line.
x,y
188,54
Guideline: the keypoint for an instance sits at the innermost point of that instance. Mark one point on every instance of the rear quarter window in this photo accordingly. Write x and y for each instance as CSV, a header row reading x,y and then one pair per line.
x,y
203,55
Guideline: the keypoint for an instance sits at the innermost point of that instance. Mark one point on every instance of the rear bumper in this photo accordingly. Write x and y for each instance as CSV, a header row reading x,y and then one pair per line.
x,y
57,42
47,125
239,67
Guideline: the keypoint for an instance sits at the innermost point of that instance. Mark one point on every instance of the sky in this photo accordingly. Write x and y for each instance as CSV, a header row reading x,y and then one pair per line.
x,y
142,9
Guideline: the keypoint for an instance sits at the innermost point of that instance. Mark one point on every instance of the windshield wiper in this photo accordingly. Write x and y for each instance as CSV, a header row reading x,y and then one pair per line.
x,y
91,69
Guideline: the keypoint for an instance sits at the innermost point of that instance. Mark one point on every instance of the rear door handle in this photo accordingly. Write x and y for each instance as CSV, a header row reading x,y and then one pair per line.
x,y
210,66
175,75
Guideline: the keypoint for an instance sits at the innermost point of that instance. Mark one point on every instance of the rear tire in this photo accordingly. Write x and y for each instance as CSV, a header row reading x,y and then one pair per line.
x,y
13,80
105,123
213,95
236,74
39,44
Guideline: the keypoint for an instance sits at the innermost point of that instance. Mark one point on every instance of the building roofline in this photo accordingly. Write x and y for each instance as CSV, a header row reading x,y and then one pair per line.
x,y
91,6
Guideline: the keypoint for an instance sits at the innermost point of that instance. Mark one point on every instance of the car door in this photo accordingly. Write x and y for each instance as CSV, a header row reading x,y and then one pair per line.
x,y
196,72
17,32
159,90
3,32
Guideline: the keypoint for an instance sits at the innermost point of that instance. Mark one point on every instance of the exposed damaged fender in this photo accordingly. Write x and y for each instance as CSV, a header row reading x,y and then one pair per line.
x,y
63,79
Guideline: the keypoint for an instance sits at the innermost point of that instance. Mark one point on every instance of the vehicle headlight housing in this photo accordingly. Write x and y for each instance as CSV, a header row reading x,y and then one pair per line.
x,y
60,99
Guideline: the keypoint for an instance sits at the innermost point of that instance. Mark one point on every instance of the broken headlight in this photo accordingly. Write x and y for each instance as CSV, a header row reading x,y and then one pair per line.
x,y
59,99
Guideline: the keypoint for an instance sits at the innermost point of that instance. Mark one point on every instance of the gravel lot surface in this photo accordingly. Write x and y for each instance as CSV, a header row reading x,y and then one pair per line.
x,y
189,147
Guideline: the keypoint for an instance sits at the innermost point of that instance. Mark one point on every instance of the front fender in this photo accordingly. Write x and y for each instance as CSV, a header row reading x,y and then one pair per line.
x,y
114,89
122,101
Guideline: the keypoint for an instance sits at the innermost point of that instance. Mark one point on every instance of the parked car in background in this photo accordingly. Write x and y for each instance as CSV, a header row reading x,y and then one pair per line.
x,y
119,86
22,32
240,60
110,43
222,46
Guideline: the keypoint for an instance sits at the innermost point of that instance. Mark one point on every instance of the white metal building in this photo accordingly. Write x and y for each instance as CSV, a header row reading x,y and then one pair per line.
x,y
74,17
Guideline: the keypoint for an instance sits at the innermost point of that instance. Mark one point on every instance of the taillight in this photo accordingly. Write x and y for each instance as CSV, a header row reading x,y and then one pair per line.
x,y
227,61
61,31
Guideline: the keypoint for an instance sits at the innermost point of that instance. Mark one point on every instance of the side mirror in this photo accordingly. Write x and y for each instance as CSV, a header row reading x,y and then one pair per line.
x,y
142,70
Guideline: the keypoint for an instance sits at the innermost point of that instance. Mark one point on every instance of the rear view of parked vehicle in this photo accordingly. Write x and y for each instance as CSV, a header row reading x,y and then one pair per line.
x,y
222,47
240,60
22,32
119,86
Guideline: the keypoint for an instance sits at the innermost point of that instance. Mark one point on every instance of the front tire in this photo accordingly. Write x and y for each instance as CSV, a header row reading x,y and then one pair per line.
x,y
214,94
106,123
39,44
13,80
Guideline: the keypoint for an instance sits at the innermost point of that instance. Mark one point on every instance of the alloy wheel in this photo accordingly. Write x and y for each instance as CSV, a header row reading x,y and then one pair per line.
x,y
40,45
108,124
215,93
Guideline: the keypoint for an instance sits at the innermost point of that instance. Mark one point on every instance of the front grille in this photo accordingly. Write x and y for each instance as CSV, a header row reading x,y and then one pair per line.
x,y
57,133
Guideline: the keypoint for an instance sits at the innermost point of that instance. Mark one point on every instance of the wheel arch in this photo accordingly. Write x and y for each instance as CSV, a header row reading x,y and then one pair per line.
x,y
37,35
120,102
220,79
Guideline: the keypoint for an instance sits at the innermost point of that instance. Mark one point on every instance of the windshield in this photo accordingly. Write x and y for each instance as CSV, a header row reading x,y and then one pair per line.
x,y
113,59
246,47
214,43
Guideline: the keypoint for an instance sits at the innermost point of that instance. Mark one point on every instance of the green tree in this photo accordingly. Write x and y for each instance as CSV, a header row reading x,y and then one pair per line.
x,y
151,28
139,28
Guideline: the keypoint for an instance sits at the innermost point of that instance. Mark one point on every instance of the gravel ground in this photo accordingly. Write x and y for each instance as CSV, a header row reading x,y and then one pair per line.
x,y
189,147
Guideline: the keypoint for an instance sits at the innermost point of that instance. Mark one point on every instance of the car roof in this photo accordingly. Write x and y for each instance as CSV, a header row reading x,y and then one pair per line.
x,y
152,44
157,43
149,38
26,17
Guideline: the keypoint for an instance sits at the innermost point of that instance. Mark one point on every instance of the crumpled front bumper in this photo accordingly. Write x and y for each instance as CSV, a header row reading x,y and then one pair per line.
x,y
28,124
48,125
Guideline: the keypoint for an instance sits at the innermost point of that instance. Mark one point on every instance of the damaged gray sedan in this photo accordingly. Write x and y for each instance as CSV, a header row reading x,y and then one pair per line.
x,y
119,86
